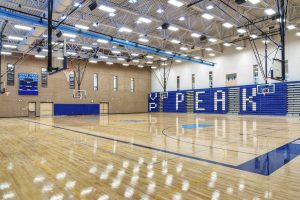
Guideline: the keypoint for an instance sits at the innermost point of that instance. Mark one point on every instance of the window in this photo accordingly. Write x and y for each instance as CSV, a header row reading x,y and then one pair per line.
x,y
231,79
193,81
72,80
95,82
10,74
115,83
132,85
210,79
44,77
178,82
255,74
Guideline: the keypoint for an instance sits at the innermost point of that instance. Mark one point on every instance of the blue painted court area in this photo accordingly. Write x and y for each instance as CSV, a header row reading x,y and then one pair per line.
x,y
193,126
269,162
132,121
264,164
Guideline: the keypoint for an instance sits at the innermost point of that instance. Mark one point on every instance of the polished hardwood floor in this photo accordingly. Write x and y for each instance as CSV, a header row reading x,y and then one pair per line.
x,y
150,156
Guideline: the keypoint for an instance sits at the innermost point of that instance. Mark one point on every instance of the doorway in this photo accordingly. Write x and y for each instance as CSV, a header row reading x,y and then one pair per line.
x,y
46,109
32,109
104,108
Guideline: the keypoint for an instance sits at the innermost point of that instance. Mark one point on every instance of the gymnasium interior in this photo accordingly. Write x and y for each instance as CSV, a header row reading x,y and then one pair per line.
x,y
149,99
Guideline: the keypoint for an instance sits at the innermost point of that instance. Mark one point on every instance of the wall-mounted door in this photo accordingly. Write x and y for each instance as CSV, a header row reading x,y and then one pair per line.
x,y
46,109
104,108
31,109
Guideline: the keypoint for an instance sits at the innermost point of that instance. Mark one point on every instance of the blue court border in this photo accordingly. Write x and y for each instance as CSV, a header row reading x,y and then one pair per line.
x,y
264,164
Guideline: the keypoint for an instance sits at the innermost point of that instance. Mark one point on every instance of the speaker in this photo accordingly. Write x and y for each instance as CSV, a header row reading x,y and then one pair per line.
x,y
240,1
93,6
59,34
165,25
203,37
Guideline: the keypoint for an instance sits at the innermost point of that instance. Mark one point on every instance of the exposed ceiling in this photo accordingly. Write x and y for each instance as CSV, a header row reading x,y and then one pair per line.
x,y
141,22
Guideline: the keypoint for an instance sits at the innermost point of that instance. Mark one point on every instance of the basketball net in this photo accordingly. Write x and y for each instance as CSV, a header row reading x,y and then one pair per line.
x,y
67,73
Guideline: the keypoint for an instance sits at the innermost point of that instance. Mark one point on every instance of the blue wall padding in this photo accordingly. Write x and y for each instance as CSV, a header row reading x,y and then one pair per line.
x,y
153,102
76,109
207,96
271,104
169,104
209,101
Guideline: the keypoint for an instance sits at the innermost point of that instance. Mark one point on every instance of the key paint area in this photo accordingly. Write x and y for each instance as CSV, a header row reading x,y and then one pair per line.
x,y
193,126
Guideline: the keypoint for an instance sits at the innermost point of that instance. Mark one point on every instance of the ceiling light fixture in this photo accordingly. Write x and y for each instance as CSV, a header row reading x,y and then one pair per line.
x,y
226,44
207,16
183,48
8,46
71,53
145,20
195,35
81,27
209,7
86,48
124,29
145,40
70,35
270,11
173,28
181,18
227,25
212,39
291,27
175,3
116,52
254,1
15,38
175,41
253,36
5,53
26,28
107,9
93,61
160,11
150,57
102,41
40,56
241,31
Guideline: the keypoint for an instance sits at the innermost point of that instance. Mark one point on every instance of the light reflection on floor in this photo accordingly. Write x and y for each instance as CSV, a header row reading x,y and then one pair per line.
x,y
56,164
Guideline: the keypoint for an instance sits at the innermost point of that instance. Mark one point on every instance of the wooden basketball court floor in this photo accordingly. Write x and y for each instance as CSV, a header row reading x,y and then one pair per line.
x,y
150,156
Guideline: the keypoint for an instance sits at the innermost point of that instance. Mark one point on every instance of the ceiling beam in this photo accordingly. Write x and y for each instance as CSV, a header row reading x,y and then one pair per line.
x,y
4,13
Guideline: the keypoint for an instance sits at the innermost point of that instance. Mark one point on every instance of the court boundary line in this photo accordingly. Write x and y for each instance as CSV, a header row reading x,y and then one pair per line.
x,y
238,167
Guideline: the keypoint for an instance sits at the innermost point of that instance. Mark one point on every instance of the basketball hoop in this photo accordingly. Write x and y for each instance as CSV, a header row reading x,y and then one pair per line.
x,y
265,93
164,95
79,94
266,89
